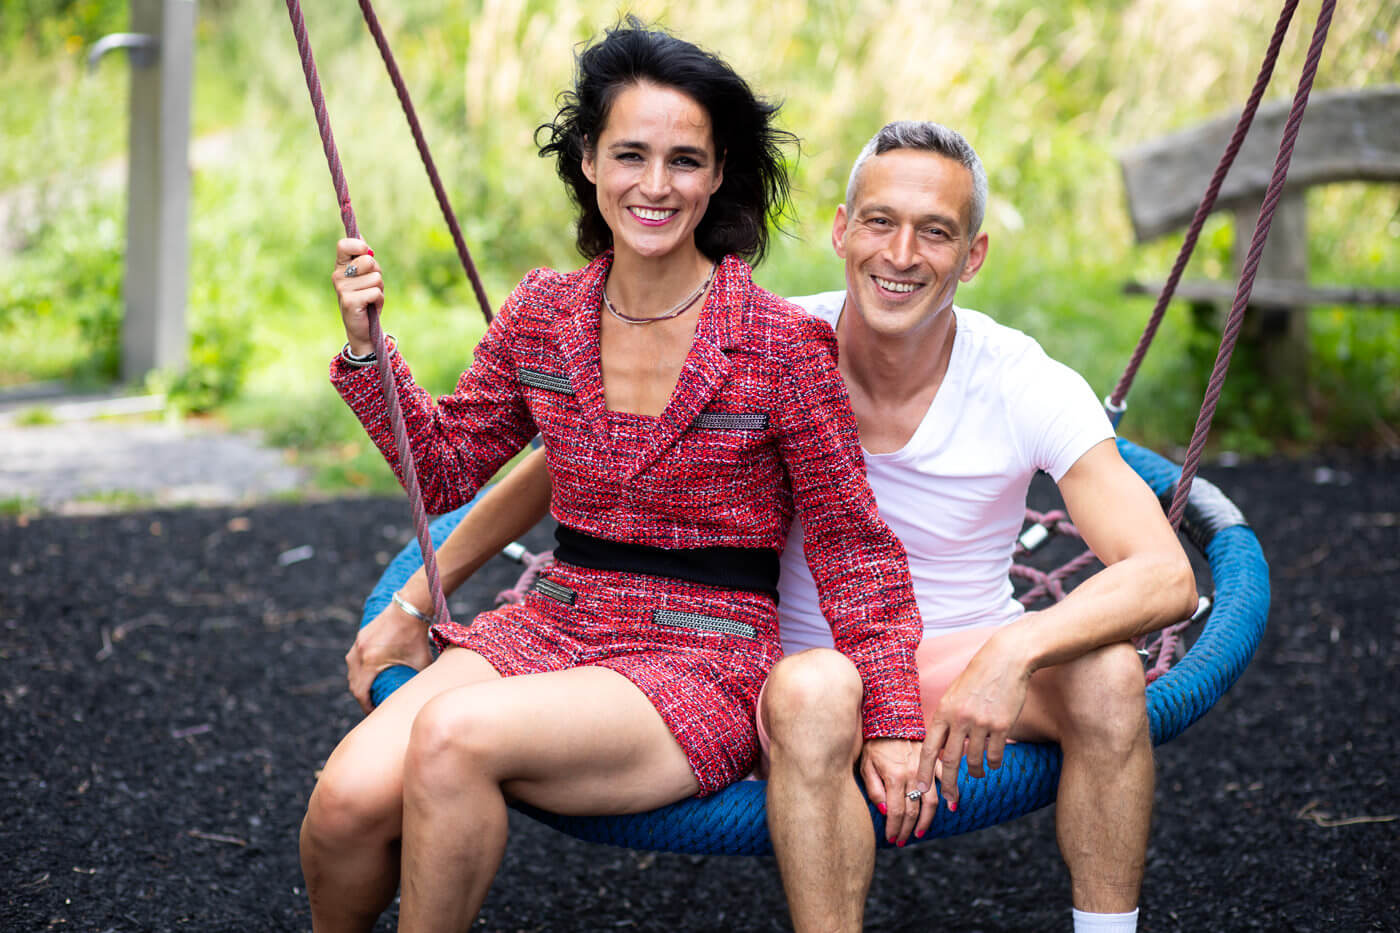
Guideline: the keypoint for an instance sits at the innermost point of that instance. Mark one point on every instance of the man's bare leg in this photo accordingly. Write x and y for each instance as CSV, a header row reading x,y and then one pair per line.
x,y
817,816
1095,708
1103,812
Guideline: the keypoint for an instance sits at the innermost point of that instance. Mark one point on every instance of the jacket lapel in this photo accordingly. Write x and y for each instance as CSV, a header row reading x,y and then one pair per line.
x,y
706,366
576,336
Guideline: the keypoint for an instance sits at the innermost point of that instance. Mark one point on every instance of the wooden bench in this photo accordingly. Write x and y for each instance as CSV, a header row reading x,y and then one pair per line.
x,y
1348,135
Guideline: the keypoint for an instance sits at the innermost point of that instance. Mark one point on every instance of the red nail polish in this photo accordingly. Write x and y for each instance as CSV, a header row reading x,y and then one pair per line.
x,y
371,252
882,808
919,834
899,844
952,806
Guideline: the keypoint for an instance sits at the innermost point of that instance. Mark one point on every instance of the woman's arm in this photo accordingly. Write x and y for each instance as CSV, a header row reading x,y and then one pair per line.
x,y
505,512
461,441
858,564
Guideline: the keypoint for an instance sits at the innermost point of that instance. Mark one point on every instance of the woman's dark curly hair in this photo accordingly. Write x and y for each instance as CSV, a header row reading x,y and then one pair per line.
x,y
755,185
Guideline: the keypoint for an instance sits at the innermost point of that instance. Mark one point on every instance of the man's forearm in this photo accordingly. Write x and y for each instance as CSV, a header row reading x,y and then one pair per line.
x,y
506,511
1130,598
1146,582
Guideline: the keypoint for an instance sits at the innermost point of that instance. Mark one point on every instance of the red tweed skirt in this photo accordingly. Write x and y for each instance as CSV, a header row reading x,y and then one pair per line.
x,y
699,653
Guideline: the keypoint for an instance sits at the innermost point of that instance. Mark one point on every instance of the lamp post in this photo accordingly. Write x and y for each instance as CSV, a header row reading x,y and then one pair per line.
x,y
161,52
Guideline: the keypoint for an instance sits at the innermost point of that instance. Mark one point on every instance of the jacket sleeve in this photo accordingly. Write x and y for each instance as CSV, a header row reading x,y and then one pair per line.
x,y
461,441
859,566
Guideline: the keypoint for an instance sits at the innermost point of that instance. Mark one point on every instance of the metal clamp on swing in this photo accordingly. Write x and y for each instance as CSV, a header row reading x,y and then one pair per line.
x,y
1114,412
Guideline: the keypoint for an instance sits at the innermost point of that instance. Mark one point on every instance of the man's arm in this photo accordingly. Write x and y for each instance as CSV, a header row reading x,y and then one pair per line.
x,y
508,509
1146,583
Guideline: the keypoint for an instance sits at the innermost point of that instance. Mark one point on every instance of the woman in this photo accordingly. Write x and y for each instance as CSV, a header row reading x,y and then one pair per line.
x,y
684,413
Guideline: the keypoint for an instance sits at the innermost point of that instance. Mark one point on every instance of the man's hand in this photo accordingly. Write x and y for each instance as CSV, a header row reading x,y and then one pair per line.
x,y
976,714
393,637
891,768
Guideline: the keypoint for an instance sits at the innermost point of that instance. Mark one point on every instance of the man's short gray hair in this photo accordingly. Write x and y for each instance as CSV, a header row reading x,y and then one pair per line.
x,y
928,137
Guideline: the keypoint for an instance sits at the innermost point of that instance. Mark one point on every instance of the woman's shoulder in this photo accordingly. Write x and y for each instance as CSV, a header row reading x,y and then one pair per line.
x,y
790,332
539,284
544,292
779,324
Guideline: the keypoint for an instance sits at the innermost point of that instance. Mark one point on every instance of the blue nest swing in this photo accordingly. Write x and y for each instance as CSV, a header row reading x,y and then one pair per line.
x,y
732,821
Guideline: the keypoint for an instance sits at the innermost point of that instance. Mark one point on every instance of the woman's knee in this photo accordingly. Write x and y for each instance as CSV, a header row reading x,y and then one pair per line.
x,y
815,694
354,803
450,742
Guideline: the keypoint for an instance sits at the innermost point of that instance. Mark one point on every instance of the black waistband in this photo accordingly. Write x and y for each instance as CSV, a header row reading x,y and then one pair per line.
x,y
733,568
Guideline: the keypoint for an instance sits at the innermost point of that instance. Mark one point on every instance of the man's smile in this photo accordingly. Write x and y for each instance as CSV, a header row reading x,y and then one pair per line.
x,y
897,287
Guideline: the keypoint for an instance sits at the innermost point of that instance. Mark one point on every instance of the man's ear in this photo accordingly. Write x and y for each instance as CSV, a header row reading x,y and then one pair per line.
x,y
838,231
975,257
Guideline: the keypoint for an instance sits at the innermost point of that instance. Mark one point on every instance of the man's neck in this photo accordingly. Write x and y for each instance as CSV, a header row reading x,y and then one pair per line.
x,y
893,379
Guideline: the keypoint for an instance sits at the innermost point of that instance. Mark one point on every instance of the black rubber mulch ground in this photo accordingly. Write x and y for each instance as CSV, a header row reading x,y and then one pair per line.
x,y
169,690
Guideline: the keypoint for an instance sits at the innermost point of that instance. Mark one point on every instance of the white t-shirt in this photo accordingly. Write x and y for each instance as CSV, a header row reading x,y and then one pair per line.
x,y
955,494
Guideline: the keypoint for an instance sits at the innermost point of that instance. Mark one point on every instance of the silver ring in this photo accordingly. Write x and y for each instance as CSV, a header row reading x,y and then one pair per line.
x,y
350,271
914,795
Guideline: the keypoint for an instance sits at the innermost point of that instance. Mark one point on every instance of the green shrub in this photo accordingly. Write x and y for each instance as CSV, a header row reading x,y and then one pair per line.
x,y
61,308
1048,93
220,346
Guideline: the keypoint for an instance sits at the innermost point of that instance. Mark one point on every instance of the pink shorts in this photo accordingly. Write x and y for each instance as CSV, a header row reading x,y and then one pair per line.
x,y
940,659
700,654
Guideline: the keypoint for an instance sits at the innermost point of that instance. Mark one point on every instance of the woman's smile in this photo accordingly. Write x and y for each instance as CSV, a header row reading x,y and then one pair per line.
x,y
653,216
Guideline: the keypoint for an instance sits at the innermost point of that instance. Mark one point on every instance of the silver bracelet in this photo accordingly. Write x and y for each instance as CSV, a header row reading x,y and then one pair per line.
x,y
412,610
369,359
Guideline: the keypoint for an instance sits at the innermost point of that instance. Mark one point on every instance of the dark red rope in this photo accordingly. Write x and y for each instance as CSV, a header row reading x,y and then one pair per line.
x,y
391,395
372,21
1251,264
1203,210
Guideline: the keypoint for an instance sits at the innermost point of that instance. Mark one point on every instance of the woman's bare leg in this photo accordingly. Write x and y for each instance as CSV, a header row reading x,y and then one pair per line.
x,y
580,741
350,837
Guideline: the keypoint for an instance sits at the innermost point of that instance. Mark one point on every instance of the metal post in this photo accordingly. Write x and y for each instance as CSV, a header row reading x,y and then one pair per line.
x,y
154,335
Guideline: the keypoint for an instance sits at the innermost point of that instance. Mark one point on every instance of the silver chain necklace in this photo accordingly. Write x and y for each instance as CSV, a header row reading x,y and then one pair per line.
x,y
674,312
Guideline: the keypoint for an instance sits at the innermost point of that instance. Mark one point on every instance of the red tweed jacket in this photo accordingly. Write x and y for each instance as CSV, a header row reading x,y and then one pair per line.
x,y
759,422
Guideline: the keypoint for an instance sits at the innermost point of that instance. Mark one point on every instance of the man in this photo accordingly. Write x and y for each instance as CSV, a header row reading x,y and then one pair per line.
x,y
955,413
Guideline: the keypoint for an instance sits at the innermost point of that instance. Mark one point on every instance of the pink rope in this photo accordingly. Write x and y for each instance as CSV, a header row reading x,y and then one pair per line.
x,y
1203,210
401,89
534,564
1165,649
386,377
1251,264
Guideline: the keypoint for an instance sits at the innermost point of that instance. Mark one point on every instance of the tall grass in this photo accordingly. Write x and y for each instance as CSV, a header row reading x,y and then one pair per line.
x,y
1048,93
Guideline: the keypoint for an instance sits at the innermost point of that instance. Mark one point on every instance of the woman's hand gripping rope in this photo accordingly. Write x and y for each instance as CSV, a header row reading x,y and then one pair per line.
x,y
358,284
392,638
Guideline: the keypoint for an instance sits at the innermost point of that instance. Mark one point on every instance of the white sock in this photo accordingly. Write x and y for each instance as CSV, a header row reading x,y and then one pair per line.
x,y
1085,922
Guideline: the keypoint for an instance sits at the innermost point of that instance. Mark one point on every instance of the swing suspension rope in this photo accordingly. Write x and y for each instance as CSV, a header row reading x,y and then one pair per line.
x,y
1050,584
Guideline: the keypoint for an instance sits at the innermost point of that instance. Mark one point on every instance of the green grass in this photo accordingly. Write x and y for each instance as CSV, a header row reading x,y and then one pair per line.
x,y
18,506
37,416
116,500
1049,96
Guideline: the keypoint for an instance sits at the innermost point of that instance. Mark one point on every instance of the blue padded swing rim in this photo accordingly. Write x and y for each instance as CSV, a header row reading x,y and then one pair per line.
x,y
732,822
